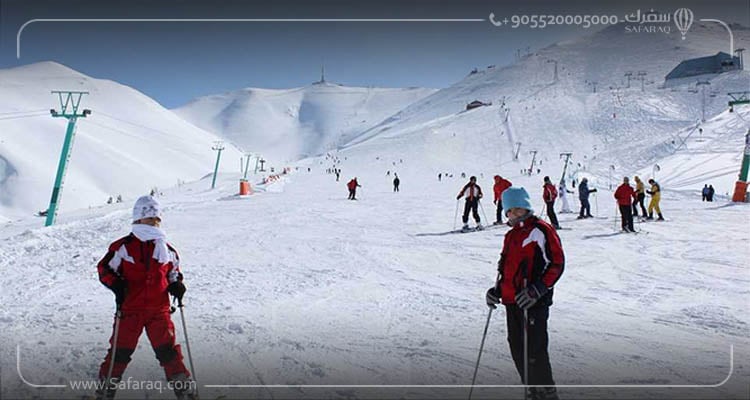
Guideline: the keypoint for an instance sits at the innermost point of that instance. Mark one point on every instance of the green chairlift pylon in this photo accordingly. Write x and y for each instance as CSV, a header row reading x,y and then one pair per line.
x,y
218,146
740,187
69,104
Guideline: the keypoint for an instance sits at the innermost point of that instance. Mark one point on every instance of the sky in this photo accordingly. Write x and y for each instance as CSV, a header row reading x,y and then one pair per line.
x,y
174,62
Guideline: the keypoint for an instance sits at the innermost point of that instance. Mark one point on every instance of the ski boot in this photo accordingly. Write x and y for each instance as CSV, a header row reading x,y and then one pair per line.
x,y
106,390
650,217
661,217
546,393
465,228
184,387
580,217
479,227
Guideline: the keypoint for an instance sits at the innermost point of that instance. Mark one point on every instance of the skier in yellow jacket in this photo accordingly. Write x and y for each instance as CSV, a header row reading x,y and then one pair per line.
x,y
655,193
640,192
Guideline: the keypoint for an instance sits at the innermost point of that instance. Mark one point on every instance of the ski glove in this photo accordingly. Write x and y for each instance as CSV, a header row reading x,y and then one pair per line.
x,y
119,287
493,297
526,298
177,289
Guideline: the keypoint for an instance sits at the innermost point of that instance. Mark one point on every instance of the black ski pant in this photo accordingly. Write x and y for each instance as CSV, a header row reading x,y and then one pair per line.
x,y
395,188
499,212
639,200
551,213
352,193
471,205
626,214
585,207
540,371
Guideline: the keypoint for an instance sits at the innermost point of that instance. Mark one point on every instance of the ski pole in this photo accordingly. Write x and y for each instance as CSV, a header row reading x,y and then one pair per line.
x,y
481,207
187,345
455,216
481,345
525,350
544,208
596,203
118,316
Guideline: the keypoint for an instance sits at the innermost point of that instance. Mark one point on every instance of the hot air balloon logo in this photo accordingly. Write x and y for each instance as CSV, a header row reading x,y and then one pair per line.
x,y
683,18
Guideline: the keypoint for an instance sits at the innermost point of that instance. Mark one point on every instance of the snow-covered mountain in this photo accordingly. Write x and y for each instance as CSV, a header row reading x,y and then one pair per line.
x,y
300,122
589,111
128,144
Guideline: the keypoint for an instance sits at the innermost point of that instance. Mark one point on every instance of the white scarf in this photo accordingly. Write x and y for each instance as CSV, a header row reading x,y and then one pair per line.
x,y
145,233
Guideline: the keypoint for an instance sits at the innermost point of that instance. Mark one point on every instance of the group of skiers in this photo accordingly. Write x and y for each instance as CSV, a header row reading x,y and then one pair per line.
x,y
628,200
110,200
708,193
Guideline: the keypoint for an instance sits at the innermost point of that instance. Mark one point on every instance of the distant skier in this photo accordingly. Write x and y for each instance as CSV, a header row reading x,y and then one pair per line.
x,y
500,186
531,262
704,192
143,269
109,200
625,195
473,194
640,195
655,193
338,174
396,182
353,185
583,196
711,192
119,198
549,195
563,192
440,177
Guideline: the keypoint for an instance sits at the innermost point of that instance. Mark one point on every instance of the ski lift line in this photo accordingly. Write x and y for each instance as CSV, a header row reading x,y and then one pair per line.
x,y
134,124
23,112
31,21
24,116
129,134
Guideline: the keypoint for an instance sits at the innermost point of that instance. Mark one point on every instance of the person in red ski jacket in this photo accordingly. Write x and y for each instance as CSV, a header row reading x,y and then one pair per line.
x,y
531,262
352,186
625,196
142,269
549,196
473,194
500,186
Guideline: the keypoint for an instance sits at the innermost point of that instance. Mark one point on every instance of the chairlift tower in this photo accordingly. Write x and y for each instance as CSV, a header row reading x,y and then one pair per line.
x,y
642,78
218,147
555,62
518,150
70,102
740,187
565,166
533,160
629,75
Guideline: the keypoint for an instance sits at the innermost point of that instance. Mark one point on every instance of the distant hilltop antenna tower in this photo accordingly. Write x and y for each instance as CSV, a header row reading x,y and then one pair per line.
x,y
322,74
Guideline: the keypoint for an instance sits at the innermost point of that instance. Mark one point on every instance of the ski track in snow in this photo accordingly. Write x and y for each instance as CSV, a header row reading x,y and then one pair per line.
x,y
304,287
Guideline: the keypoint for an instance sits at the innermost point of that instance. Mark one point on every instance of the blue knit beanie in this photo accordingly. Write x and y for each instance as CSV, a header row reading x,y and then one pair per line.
x,y
516,197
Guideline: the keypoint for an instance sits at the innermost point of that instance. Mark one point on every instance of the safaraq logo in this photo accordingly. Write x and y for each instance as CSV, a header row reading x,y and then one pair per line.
x,y
683,19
